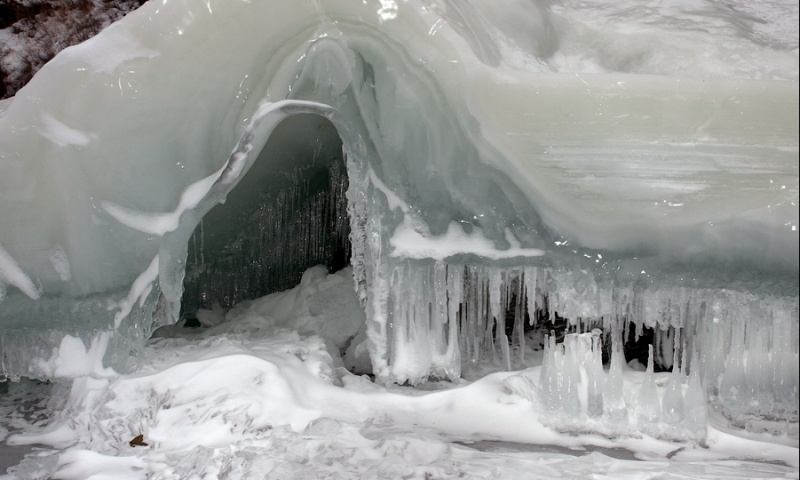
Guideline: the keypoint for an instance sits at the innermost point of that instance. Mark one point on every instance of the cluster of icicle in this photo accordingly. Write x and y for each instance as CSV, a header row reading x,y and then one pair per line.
x,y
576,393
740,350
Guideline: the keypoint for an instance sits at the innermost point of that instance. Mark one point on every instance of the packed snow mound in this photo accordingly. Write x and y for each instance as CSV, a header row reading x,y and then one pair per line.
x,y
321,304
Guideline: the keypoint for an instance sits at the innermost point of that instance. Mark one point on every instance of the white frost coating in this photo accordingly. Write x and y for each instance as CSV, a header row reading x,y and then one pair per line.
x,y
61,134
161,223
410,240
11,273
139,290
72,360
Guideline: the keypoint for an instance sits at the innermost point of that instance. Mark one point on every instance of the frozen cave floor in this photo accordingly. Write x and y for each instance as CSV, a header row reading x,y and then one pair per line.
x,y
253,397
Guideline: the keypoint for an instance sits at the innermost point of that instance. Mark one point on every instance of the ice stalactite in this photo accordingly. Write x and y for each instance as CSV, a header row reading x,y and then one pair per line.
x,y
648,405
732,352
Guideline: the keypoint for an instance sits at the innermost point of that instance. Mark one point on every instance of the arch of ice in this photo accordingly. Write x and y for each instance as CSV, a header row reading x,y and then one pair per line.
x,y
662,200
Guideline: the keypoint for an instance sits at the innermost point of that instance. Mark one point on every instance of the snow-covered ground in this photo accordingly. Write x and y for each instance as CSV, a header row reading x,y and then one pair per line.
x,y
263,394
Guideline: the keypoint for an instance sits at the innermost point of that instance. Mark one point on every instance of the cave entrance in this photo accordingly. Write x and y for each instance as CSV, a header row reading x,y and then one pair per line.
x,y
288,213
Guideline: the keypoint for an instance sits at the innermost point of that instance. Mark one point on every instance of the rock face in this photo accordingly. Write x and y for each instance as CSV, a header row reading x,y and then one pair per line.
x,y
33,31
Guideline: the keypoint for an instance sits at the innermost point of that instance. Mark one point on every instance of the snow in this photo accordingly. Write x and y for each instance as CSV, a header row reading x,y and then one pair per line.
x,y
140,289
255,397
73,360
60,134
409,242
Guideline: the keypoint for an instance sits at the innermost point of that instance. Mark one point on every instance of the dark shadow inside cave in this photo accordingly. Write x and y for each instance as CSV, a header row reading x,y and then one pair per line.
x,y
634,341
288,213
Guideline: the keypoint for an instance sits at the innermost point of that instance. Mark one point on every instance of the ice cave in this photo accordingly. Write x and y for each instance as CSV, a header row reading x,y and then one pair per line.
x,y
491,178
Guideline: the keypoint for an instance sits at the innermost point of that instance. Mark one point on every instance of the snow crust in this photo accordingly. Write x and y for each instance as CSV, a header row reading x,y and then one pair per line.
x,y
409,242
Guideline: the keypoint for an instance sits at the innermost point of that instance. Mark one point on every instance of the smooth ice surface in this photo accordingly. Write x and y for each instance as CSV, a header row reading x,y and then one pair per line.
x,y
642,160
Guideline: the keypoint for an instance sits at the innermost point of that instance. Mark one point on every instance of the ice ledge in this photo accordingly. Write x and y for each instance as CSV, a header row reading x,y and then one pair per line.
x,y
412,239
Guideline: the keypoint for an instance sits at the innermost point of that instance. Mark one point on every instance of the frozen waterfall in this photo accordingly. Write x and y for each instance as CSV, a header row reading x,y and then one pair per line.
x,y
477,170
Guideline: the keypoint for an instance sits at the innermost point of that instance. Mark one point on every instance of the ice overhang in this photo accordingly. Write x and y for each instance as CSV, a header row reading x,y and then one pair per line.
x,y
119,146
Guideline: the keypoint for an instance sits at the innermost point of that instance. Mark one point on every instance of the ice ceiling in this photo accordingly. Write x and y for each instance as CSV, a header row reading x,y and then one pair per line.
x,y
488,158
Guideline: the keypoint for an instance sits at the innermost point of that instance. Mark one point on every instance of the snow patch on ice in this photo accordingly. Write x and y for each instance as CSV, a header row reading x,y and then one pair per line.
x,y
125,48
162,223
411,239
73,360
394,201
61,134
139,291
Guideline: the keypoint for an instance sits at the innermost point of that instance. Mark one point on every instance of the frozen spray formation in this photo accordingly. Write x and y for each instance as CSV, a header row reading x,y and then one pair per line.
x,y
489,166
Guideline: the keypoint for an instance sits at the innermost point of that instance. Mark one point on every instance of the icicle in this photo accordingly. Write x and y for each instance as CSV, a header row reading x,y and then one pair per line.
x,y
437,297
570,401
519,322
495,285
616,412
666,345
595,378
506,351
734,383
672,412
786,371
548,379
648,406
558,380
530,275
455,285
694,405
497,318
757,372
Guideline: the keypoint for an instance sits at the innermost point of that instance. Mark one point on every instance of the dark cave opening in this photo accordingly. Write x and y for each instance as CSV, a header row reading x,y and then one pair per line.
x,y
517,322
287,214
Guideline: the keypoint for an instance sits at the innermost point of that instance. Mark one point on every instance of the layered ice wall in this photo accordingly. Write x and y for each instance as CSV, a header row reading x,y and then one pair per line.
x,y
606,164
